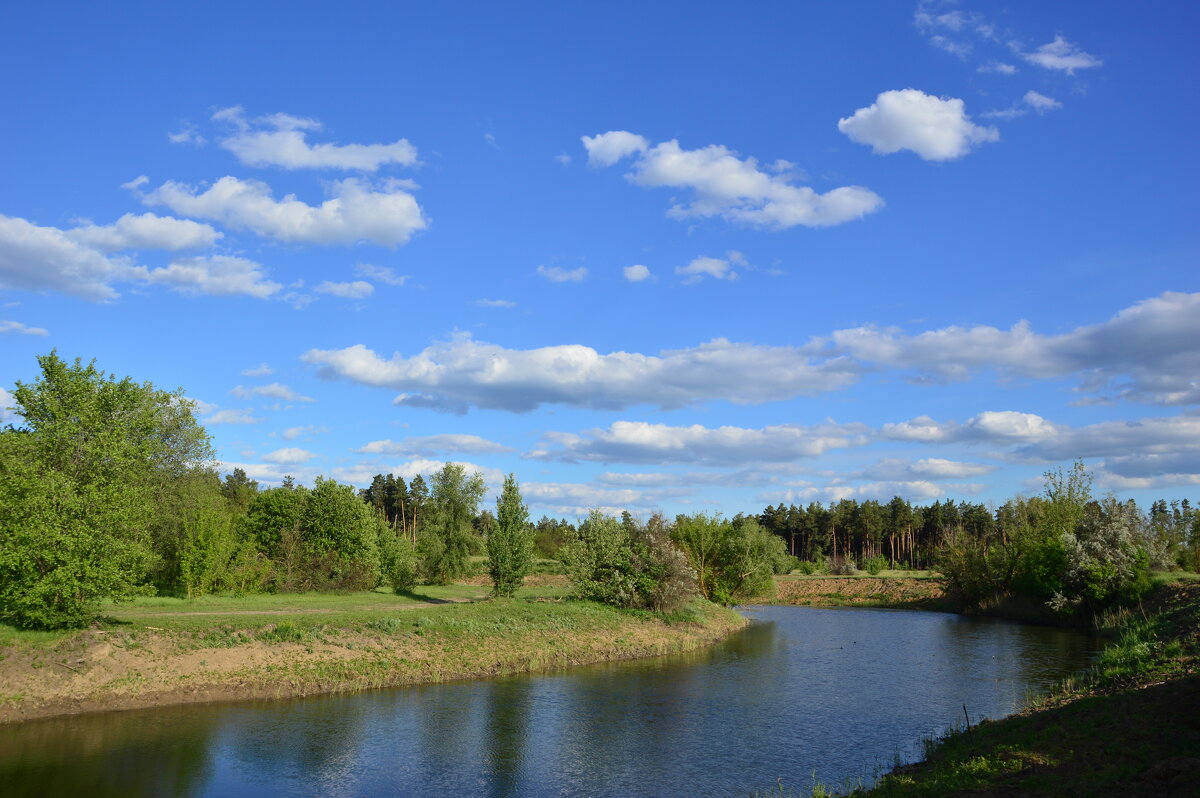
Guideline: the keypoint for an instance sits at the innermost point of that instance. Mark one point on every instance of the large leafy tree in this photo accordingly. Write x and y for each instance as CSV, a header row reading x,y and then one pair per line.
x,y
510,543
82,476
446,545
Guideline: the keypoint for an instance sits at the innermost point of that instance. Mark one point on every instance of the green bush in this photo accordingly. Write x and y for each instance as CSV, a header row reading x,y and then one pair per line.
x,y
873,565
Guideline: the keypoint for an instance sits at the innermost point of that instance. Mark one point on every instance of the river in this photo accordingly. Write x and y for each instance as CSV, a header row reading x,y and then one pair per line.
x,y
838,692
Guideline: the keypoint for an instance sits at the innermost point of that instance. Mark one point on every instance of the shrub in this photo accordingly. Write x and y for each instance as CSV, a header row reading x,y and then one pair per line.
x,y
873,565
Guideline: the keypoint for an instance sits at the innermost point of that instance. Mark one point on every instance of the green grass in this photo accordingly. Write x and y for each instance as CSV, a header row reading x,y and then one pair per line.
x,y
219,619
1127,726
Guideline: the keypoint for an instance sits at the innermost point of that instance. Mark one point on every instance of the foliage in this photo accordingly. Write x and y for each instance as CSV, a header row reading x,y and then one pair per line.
x,y
732,561
873,565
446,543
510,542
628,564
1065,551
340,537
78,498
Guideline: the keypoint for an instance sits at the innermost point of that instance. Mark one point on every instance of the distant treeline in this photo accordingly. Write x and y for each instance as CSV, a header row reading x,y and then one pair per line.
x,y
107,491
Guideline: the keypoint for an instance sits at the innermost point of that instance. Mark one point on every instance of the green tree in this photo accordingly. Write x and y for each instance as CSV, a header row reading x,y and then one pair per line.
x,y
448,540
510,543
81,476
340,537
731,561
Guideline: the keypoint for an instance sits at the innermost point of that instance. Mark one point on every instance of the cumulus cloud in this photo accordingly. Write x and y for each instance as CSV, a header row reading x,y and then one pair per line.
x,y
641,442
1040,102
935,128
432,445
282,140
1132,448
18,328
232,417
261,370
35,258
289,456
495,303
381,274
572,498
358,289
274,390
913,491
1061,55
557,274
147,231
926,469
386,215
636,273
291,433
998,68
1148,352
7,401
215,275
716,268
461,372
728,186
992,426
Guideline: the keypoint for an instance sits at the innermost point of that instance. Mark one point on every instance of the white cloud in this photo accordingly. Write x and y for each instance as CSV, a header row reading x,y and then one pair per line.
x,y
147,231
1061,55
387,215
557,274
566,498
992,426
261,370
289,456
934,128
215,275
636,273
460,372
999,68
1147,352
925,469
232,417
608,148
427,466
7,401
381,274
282,140
1144,447
21,329
274,390
187,135
728,186
291,433
1040,102
495,303
563,159
432,445
358,289
911,490
35,258
699,268
641,442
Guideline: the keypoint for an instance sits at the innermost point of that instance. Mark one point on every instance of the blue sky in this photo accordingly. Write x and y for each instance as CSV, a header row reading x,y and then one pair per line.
x,y
668,256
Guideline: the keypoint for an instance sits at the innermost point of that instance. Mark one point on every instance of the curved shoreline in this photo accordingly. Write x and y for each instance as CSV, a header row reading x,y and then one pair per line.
x,y
100,670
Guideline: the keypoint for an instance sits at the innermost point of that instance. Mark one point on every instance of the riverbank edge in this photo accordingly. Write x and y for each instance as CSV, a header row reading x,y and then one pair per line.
x,y
161,672
879,592
1099,733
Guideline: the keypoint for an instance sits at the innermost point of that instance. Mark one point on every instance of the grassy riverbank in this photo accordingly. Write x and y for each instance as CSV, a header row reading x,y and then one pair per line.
x,y
162,651
914,590
1129,727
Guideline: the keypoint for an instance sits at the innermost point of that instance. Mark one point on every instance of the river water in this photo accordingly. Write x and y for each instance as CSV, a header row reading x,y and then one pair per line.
x,y
838,692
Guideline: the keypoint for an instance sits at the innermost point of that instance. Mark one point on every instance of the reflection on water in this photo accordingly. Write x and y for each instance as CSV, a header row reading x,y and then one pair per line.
x,y
840,692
